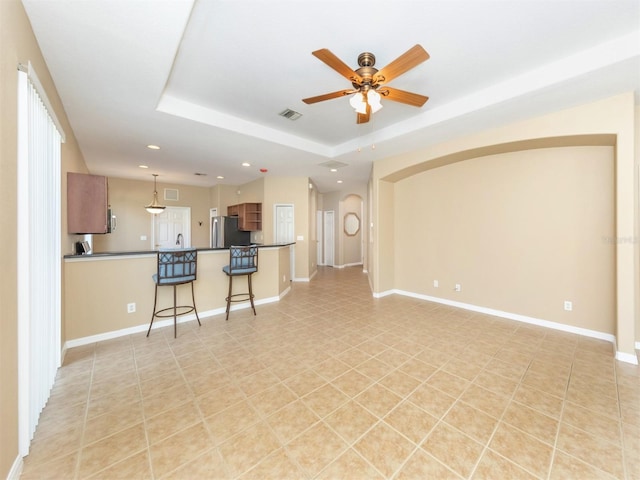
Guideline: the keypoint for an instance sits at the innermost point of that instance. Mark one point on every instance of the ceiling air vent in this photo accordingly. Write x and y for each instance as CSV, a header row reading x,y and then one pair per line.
x,y
171,194
290,114
333,164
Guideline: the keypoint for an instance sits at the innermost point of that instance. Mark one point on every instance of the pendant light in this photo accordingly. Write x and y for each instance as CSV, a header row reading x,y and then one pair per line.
x,y
155,206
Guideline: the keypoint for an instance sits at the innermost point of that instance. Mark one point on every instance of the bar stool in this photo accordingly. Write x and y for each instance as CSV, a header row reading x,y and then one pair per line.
x,y
243,260
175,267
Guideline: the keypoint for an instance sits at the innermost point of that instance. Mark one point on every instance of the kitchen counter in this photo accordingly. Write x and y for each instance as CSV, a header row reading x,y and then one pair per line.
x,y
100,286
153,252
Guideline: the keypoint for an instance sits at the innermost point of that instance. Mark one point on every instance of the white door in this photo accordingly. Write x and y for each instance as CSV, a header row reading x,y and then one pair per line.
x,y
319,233
329,241
169,224
284,228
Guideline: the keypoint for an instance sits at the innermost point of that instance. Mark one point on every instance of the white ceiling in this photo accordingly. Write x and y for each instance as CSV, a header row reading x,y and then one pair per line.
x,y
206,79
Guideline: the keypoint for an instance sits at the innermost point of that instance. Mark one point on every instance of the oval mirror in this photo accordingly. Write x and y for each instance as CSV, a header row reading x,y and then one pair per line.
x,y
351,224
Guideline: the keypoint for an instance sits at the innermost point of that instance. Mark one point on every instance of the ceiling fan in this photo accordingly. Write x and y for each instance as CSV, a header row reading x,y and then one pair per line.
x,y
369,83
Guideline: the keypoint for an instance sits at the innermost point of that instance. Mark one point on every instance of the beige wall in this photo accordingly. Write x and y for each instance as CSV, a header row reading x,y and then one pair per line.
x,y
514,230
128,198
637,226
608,122
18,45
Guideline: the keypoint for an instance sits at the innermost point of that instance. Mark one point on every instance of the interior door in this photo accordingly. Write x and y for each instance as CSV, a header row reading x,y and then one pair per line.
x,y
284,231
169,224
284,228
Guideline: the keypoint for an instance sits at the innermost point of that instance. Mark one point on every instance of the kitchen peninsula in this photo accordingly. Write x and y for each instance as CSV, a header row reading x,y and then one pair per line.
x,y
99,287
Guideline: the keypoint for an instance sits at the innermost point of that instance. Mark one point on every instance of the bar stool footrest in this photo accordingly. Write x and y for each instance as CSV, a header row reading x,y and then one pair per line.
x,y
246,297
186,309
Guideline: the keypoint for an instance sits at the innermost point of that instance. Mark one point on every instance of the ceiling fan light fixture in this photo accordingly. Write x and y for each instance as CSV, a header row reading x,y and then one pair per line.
x,y
155,207
358,103
373,99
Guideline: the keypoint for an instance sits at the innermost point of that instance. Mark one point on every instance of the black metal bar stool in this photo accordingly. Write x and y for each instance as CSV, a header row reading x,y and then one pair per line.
x,y
243,260
175,267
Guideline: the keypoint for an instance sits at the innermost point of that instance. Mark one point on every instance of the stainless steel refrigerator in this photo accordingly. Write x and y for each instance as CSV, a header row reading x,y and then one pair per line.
x,y
224,233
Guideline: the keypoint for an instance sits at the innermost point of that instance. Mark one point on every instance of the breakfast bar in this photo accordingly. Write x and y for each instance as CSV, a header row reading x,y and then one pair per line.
x,y
111,294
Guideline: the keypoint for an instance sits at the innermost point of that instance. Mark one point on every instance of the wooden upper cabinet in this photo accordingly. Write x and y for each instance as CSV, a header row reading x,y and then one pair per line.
x,y
87,203
249,216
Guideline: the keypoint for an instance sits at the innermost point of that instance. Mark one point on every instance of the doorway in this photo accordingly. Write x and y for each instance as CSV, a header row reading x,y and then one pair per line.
x,y
168,225
319,237
329,237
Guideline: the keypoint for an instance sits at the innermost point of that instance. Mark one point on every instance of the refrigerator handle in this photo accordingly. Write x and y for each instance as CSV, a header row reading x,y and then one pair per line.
x,y
214,233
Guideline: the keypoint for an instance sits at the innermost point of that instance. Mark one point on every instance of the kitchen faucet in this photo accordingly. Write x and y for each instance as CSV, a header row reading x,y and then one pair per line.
x,y
179,240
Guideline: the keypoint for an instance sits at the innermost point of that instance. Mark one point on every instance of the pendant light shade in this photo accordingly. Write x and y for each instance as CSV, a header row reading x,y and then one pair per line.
x,y
373,99
155,206
358,103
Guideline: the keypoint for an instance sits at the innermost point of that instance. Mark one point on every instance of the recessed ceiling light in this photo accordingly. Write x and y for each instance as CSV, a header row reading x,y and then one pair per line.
x,y
143,166
246,164
220,177
339,181
334,169
153,147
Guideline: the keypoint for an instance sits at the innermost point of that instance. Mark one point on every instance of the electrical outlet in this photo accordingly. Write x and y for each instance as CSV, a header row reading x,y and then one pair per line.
x,y
458,287
568,306
131,307
436,283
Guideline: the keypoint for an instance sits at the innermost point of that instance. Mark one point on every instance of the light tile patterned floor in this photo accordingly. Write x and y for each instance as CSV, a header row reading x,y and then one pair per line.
x,y
331,383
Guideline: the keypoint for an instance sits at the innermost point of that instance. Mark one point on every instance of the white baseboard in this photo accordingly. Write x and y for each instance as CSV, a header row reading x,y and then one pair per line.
x,y
627,357
347,265
622,356
384,294
77,342
16,469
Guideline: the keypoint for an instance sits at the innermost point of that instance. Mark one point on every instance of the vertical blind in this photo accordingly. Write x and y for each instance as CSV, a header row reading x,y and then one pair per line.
x,y
39,252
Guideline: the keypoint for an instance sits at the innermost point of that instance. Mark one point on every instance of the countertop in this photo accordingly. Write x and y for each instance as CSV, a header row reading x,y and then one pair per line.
x,y
153,252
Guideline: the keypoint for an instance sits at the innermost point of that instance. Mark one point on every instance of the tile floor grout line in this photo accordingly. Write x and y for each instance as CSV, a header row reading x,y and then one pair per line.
x,y
620,426
495,429
560,416
144,415
86,413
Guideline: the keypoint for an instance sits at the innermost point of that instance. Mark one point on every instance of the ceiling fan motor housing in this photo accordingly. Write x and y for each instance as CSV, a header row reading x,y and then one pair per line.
x,y
366,60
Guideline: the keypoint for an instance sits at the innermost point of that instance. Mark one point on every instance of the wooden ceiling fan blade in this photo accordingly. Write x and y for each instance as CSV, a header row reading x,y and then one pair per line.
x,y
363,117
327,96
409,59
338,65
401,96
